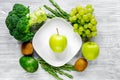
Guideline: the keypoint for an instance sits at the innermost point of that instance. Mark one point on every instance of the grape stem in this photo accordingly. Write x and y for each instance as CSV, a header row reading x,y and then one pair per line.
x,y
57,31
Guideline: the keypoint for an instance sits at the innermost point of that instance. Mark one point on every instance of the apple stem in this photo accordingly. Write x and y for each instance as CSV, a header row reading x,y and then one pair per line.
x,y
57,31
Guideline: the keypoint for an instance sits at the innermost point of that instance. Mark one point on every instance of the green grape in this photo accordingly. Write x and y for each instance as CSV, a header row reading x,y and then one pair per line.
x,y
81,28
93,28
82,22
71,19
90,26
85,26
80,32
85,17
74,18
74,10
92,17
79,21
75,26
84,35
87,21
90,10
89,36
88,6
87,31
79,17
75,30
78,8
85,10
94,34
89,15
72,13
81,12
93,21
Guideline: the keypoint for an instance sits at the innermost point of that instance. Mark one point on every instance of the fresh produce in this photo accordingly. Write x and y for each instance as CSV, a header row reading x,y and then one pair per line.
x,y
81,64
58,42
20,20
29,63
23,25
90,50
57,12
27,48
54,71
83,21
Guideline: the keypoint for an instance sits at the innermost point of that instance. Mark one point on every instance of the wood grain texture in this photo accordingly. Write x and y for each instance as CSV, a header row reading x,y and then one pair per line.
x,y
106,67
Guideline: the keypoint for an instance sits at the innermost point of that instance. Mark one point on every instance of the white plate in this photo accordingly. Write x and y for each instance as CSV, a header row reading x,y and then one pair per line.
x,y
41,42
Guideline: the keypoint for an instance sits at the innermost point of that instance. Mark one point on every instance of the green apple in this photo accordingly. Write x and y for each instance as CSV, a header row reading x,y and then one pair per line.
x,y
90,50
58,42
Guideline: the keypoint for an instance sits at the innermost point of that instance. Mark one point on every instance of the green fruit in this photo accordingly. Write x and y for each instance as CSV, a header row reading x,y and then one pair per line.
x,y
90,50
29,63
83,21
58,43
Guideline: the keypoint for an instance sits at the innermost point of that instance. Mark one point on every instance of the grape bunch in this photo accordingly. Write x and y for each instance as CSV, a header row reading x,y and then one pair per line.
x,y
83,21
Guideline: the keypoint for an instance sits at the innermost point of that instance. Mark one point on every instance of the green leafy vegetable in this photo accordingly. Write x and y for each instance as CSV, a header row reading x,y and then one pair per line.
x,y
20,10
19,21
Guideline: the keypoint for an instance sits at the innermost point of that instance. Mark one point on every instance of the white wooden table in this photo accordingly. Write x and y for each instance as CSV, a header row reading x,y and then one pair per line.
x,y
105,67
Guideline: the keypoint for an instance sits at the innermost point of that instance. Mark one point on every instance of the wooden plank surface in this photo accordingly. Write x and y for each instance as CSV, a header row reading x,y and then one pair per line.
x,y
106,67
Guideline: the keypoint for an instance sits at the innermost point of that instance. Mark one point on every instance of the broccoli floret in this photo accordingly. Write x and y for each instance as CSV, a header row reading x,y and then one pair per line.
x,y
23,30
19,21
24,37
12,20
20,10
23,25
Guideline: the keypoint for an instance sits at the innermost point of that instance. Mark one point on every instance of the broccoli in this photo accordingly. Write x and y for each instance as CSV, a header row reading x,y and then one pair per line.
x,y
20,21
20,10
